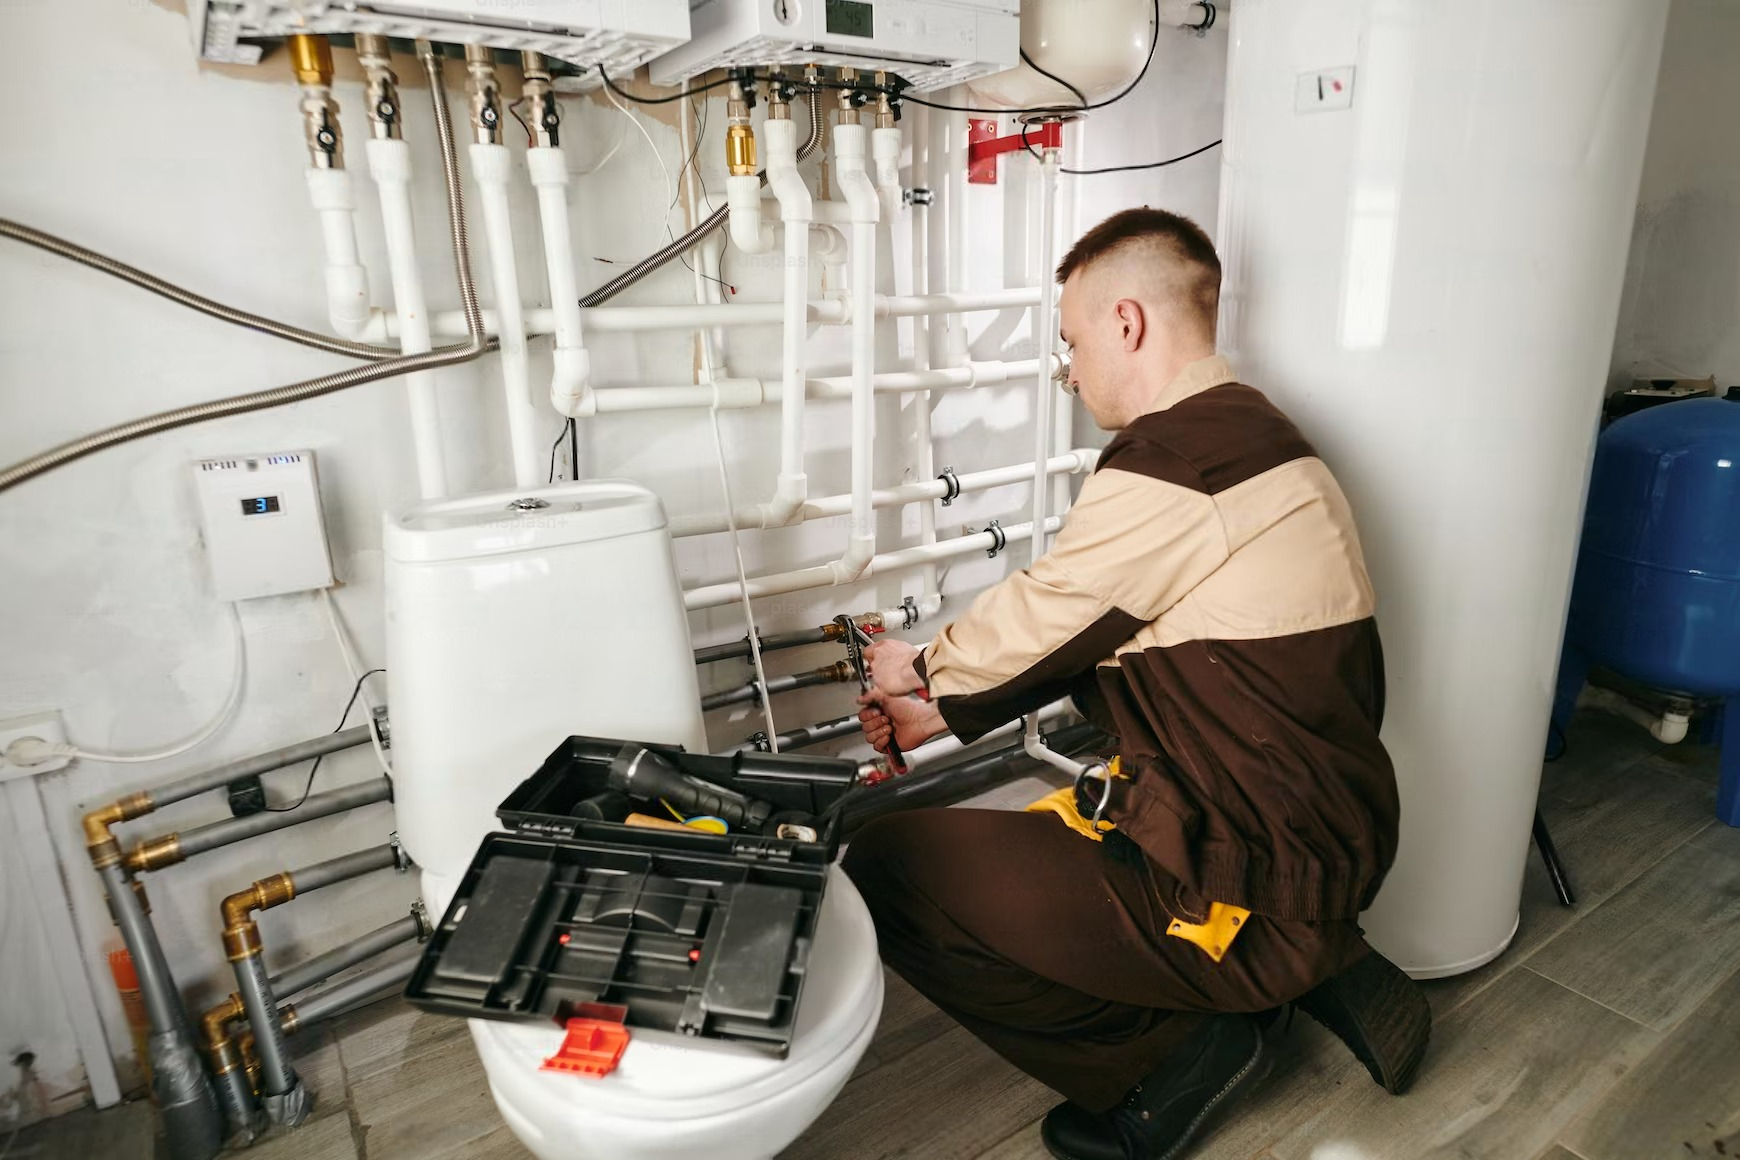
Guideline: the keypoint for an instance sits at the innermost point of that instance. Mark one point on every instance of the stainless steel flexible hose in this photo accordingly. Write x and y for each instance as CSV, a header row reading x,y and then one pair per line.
x,y
476,344
712,222
72,251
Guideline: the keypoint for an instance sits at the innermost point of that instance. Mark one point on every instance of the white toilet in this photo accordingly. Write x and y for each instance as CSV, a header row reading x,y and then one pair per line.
x,y
509,616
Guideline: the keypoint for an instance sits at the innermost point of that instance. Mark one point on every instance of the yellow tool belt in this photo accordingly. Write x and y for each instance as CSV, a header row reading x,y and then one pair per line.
x,y
1224,922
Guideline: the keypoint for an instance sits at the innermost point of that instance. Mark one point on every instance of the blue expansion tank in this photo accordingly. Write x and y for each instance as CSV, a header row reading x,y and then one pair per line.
x,y
1657,593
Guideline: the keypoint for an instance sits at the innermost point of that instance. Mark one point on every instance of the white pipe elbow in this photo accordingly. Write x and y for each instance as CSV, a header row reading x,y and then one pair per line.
x,y
1186,13
571,384
783,178
885,151
347,281
855,564
860,192
1036,748
749,231
786,507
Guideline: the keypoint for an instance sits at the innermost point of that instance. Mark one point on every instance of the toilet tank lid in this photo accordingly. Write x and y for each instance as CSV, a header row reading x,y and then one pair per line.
x,y
525,519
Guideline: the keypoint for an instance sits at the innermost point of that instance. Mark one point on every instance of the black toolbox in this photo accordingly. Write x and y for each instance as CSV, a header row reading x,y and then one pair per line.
x,y
697,934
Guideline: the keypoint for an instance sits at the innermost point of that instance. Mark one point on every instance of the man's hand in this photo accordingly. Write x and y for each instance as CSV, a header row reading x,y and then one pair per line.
x,y
912,722
891,668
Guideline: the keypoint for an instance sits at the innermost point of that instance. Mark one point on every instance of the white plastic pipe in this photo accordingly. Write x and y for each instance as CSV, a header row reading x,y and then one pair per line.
x,y
1045,396
885,145
860,194
749,229
796,211
778,584
948,744
1669,728
936,231
347,281
739,392
637,319
955,343
390,166
929,490
570,385
492,165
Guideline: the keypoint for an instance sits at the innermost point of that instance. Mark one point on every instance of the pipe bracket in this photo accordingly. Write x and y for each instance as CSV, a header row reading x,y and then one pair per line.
x,y
999,539
952,483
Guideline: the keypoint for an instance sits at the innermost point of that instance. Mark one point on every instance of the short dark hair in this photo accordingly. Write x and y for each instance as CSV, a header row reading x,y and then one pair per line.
x,y
1174,235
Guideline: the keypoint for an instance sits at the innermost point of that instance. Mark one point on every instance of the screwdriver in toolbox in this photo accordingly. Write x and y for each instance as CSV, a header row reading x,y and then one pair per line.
x,y
857,640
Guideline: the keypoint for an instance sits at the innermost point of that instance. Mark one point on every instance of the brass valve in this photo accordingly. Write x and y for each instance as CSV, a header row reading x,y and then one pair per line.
x,y
848,111
485,94
884,110
375,54
739,137
311,61
539,92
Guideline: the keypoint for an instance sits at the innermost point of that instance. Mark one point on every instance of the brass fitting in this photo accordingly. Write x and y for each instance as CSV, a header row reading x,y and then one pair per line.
x,y
311,60
839,671
848,114
540,94
375,55
288,1019
485,94
778,108
104,848
884,110
241,934
739,137
154,854
219,1046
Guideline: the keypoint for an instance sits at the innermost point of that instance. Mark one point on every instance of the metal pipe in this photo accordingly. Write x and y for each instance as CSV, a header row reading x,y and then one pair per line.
x,y
327,384
235,1090
323,966
283,1095
952,783
340,997
192,1120
740,648
274,759
802,736
833,674
233,830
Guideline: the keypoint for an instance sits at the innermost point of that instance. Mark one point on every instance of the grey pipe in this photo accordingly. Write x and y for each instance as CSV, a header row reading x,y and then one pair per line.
x,y
289,755
332,1000
243,1116
192,1120
803,735
740,648
282,1094
313,388
749,692
322,967
232,830
345,867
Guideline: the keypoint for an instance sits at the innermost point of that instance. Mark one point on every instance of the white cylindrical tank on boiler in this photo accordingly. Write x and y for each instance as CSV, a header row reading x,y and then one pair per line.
x,y
514,620
1425,214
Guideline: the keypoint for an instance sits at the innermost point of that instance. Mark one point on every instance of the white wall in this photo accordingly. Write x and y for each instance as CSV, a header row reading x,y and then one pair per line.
x,y
105,612
1680,316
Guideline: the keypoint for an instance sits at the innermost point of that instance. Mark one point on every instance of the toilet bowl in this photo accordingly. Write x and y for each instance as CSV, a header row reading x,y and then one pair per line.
x,y
670,1101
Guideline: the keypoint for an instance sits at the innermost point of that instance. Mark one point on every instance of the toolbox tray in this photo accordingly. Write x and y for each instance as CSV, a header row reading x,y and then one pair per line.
x,y
701,936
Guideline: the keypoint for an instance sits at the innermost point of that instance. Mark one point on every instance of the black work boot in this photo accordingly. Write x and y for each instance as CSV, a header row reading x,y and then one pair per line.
x,y
1171,1105
1381,1015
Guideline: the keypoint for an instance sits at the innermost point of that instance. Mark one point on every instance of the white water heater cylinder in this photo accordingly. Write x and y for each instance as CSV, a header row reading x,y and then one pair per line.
x,y
1425,215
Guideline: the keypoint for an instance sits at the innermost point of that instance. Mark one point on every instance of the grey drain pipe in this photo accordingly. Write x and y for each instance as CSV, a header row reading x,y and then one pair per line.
x,y
341,997
169,849
282,1094
317,970
192,1120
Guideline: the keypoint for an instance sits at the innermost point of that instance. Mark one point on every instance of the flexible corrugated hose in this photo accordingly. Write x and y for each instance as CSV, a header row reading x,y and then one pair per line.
x,y
310,388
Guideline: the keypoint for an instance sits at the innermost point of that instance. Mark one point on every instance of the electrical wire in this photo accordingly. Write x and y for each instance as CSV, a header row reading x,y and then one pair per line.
x,y
232,701
1080,97
342,635
720,83
308,786
1144,165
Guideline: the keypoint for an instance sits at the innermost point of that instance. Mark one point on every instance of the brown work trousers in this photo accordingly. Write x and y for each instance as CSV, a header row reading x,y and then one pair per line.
x,y
1054,953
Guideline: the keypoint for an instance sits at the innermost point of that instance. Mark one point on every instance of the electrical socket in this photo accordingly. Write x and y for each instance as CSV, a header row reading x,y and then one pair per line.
x,y
44,725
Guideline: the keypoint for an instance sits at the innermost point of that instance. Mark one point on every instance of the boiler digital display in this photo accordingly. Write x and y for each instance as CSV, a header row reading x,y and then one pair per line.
x,y
850,18
262,505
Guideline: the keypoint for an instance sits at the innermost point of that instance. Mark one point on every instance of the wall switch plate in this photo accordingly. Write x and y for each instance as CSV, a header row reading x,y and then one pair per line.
x,y
1324,90
44,725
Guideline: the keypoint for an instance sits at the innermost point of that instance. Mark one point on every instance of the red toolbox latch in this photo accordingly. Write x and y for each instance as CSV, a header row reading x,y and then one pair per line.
x,y
595,1043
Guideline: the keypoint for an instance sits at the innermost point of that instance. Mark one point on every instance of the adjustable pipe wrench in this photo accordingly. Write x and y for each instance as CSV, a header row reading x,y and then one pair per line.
x,y
856,641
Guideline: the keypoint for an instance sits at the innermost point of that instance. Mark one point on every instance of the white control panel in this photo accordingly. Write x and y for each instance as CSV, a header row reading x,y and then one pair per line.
x,y
928,43
264,534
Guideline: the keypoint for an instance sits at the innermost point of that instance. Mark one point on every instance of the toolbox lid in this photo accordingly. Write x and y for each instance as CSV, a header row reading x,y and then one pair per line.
x,y
671,1081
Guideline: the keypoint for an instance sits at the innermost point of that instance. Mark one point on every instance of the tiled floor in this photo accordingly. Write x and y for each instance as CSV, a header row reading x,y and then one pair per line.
x,y
1608,1032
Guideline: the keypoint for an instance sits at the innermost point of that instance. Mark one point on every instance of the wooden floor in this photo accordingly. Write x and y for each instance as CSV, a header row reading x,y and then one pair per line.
x,y
1608,1032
